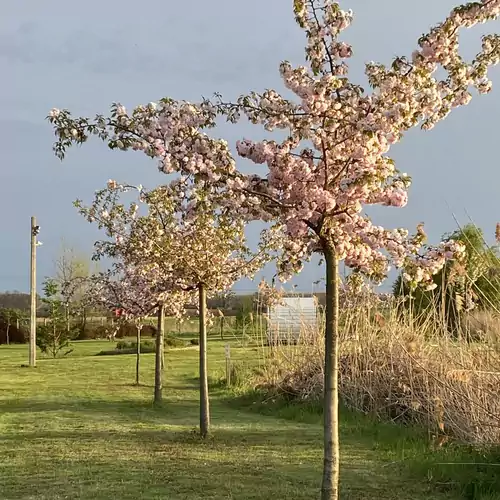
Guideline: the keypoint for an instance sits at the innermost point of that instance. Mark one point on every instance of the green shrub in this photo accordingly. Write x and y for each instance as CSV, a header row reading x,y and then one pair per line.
x,y
123,347
174,342
123,344
130,330
114,352
92,332
145,345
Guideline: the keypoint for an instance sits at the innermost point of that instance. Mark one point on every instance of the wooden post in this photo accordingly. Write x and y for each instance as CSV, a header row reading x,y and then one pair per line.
x,y
227,349
32,344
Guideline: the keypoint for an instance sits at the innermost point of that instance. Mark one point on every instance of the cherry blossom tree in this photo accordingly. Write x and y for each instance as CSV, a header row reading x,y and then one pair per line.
x,y
333,163
183,244
124,289
138,290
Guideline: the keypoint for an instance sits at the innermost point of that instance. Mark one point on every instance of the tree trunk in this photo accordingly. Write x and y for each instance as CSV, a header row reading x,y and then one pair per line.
x,y
161,327
159,355
84,321
222,327
330,484
67,320
7,338
138,355
204,404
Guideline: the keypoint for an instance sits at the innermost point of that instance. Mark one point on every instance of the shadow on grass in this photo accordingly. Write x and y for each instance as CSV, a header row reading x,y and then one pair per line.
x,y
405,449
123,409
261,463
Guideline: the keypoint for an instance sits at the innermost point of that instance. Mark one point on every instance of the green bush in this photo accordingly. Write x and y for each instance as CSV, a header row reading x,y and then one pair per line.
x,y
146,345
92,332
124,347
174,342
130,330
114,352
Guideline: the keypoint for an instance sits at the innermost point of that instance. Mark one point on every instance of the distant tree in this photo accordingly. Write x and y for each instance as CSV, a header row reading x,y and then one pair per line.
x,y
72,273
12,322
16,300
53,337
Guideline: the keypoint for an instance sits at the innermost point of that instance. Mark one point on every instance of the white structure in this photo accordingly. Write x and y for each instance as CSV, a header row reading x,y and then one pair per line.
x,y
296,318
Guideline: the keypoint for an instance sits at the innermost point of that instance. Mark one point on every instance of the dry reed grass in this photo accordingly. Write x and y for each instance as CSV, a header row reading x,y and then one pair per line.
x,y
406,369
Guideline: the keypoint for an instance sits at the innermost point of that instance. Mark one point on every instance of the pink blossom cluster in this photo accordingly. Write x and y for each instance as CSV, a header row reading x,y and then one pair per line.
x,y
124,289
173,246
333,163
420,269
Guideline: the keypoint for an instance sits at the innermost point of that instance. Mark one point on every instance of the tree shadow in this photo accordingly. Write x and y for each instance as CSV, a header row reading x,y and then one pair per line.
x,y
129,409
259,463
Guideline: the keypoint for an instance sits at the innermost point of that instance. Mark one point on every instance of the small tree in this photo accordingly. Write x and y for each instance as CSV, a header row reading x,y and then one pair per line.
x,y
53,337
151,289
72,273
126,290
185,245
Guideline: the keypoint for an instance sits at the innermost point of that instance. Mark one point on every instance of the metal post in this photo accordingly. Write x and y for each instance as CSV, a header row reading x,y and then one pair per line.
x,y
32,345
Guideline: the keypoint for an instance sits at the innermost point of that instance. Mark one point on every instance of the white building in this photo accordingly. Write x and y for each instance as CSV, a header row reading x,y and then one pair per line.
x,y
294,320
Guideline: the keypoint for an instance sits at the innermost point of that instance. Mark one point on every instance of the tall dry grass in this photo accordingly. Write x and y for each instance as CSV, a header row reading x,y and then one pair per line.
x,y
404,368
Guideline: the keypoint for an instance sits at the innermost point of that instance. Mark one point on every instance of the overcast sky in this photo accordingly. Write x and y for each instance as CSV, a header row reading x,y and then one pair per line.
x,y
83,56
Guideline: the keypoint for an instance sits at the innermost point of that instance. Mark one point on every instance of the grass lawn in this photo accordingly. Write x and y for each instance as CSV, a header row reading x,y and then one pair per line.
x,y
76,428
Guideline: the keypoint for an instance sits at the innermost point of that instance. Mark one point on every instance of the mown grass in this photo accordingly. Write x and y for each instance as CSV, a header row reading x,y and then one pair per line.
x,y
77,427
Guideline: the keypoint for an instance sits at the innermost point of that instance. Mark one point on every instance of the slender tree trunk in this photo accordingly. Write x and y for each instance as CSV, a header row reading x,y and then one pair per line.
x,y
222,327
67,319
159,355
161,327
138,355
330,484
84,320
7,338
204,403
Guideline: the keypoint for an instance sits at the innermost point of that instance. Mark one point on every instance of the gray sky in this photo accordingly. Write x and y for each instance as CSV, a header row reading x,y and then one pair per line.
x,y
84,56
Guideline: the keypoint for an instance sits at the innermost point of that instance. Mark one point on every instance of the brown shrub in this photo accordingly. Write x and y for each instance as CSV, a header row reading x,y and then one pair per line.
x,y
403,370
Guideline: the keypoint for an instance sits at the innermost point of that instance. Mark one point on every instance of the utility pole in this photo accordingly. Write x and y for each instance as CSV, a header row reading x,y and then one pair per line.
x,y
32,347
